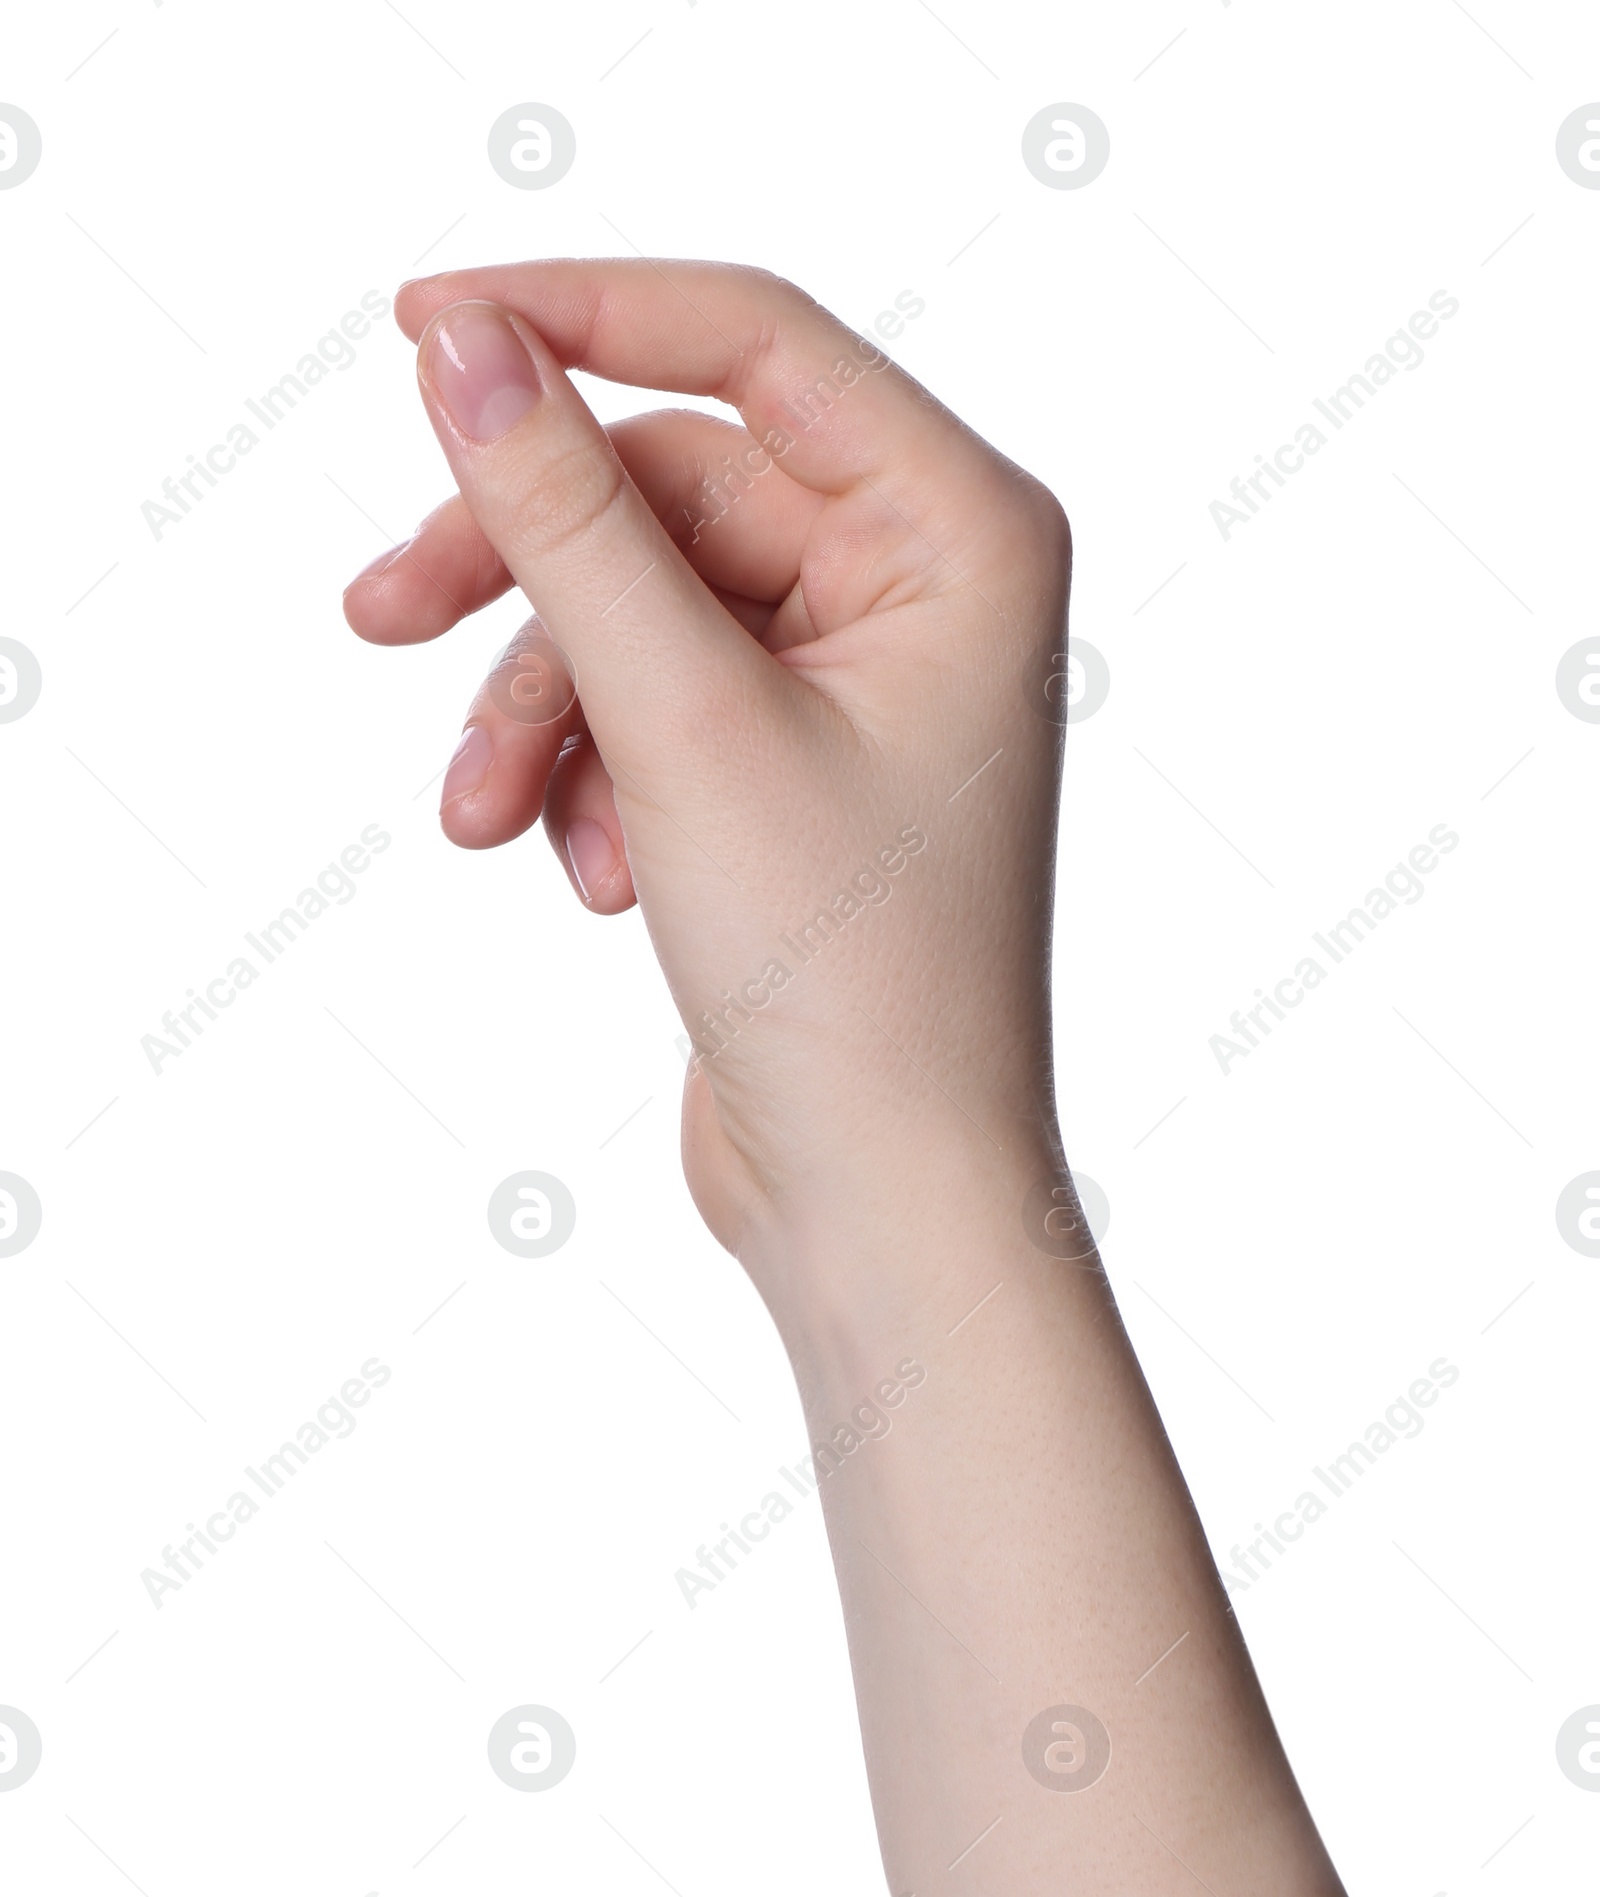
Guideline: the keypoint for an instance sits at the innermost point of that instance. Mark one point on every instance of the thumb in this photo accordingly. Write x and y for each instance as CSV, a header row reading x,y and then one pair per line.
x,y
657,658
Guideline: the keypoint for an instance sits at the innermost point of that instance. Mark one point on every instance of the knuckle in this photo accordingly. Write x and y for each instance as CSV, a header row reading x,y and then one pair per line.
x,y
1050,516
776,295
561,499
785,289
768,281
1048,529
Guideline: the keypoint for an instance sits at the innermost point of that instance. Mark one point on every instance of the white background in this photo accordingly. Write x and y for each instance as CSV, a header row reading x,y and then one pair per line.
x,y
1366,1192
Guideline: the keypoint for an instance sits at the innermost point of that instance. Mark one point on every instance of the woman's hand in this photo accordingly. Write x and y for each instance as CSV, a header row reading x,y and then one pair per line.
x,y
819,661
805,647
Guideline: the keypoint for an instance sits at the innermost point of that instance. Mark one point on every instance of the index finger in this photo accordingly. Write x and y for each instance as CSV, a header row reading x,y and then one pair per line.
x,y
827,403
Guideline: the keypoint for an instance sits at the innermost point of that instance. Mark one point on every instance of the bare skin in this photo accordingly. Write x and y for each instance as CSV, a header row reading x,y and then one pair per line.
x,y
821,687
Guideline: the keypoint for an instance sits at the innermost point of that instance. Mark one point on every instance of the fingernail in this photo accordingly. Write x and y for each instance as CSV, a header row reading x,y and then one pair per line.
x,y
482,371
470,765
590,853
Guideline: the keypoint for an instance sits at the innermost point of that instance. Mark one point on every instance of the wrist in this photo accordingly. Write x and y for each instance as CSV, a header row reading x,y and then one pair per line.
x,y
891,1251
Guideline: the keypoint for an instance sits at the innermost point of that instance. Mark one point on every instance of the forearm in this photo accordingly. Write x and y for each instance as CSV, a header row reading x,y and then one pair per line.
x,y
1013,1535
